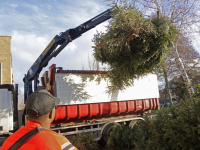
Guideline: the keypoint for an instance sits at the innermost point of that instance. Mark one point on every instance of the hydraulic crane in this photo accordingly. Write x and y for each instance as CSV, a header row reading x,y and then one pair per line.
x,y
57,44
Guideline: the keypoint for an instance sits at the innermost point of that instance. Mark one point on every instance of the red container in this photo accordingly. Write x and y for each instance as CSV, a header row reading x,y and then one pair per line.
x,y
80,112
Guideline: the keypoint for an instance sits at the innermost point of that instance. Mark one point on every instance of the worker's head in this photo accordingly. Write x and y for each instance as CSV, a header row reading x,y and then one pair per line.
x,y
40,106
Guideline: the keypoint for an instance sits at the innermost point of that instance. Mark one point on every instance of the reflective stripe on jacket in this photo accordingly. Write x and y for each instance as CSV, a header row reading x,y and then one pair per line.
x,y
44,140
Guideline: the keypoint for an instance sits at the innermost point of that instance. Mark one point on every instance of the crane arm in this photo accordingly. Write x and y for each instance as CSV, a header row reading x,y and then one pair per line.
x,y
58,43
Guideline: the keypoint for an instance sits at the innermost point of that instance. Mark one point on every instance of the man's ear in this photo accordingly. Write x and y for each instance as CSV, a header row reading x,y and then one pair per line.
x,y
51,114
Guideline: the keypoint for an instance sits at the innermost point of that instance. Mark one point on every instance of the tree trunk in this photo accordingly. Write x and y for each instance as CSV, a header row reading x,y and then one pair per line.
x,y
167,86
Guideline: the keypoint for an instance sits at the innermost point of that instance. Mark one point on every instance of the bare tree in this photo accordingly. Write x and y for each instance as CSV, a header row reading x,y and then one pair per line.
x,y
95,65
190,61
182,13
21,104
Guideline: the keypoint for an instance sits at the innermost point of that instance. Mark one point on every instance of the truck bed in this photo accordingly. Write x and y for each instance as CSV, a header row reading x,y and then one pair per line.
x,y
84,97
93,111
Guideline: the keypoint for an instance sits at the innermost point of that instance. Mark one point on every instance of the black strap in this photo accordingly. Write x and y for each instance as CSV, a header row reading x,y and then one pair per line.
x,y
25,138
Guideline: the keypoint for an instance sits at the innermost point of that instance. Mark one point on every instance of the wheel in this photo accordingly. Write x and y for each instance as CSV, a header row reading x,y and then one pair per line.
x,y
105,132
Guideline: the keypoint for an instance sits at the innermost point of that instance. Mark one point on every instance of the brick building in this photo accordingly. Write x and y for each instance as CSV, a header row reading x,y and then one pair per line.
x,y
6,76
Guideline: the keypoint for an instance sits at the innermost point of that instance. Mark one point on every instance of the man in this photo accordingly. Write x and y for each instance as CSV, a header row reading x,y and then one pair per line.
x,y
36,135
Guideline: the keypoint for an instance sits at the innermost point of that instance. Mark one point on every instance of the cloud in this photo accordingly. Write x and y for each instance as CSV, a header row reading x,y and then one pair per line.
x,y
10,4
196,43
25,49
32,25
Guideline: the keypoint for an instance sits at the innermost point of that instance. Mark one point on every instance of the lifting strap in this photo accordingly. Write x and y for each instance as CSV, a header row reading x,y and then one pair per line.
x,y
25,138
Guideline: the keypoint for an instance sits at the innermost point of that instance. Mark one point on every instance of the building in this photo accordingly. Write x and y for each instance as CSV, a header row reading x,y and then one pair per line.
x,y
6,76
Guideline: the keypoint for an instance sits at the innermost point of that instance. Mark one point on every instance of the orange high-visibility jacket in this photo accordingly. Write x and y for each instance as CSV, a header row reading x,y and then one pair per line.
x,y
44,140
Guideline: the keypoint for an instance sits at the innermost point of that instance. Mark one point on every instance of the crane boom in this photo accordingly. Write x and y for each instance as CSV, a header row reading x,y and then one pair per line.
x,y
58,43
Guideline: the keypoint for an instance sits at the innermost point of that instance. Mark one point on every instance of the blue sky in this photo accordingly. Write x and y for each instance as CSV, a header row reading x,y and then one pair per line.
x,y
32,24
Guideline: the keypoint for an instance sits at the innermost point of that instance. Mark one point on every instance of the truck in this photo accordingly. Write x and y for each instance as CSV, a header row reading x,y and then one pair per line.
x,y
9,122
85,105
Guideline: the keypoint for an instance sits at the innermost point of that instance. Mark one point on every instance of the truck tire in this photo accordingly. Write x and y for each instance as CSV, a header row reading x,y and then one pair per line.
x,y
105,132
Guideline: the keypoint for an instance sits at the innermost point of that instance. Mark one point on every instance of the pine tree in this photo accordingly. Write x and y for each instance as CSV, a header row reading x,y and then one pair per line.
x,y
133,45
